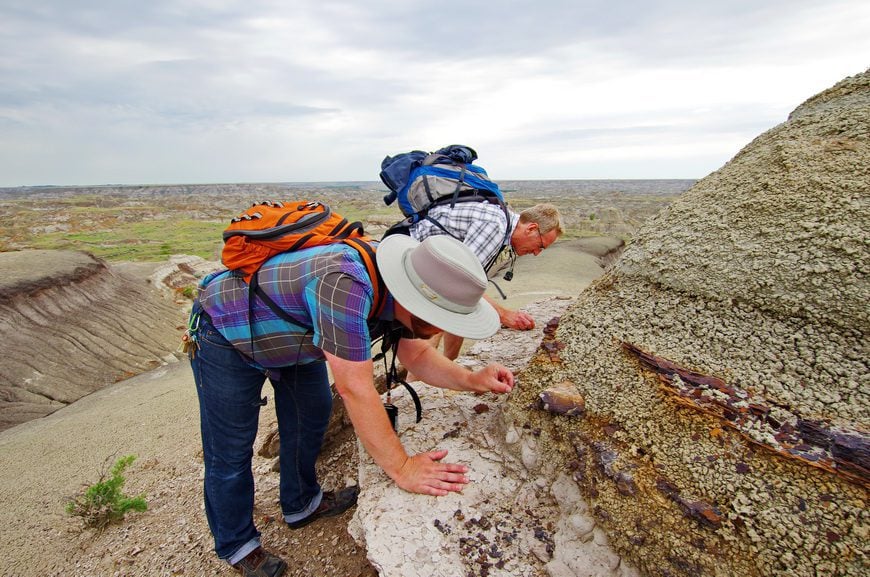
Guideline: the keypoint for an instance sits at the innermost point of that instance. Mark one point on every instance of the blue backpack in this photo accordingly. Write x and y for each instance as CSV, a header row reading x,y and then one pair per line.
x,y
420,180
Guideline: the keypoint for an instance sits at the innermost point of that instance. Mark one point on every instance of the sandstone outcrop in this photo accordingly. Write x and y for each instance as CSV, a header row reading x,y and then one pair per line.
x,y
71,324
723,365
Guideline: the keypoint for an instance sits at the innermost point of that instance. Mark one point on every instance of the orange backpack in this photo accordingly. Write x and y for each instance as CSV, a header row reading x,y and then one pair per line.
x,y
269,228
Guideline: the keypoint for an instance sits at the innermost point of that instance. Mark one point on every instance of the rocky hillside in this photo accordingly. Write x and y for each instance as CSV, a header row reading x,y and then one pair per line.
x,y
718,374
70,325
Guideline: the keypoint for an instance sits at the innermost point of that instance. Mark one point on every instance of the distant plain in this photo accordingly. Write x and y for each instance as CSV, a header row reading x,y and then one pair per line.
x,y
150,222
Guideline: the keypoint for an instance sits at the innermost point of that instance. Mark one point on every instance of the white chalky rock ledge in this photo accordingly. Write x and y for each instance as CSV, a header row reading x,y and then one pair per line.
x,y
504,523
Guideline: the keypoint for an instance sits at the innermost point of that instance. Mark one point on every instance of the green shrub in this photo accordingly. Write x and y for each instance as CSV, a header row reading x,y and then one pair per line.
x,y
188,292
103,502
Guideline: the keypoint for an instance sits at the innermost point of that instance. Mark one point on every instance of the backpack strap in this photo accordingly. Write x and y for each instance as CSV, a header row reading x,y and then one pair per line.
x,y
341,232
472,198
459,182
367,253
441,226
368,256
504,243
254,289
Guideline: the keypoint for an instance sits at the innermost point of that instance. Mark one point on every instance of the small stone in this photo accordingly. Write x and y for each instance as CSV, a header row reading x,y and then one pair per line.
x,y
563,399
625,484
705,513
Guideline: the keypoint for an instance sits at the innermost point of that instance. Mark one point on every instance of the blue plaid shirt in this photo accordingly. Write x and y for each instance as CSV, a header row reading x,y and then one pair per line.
x,y
326,289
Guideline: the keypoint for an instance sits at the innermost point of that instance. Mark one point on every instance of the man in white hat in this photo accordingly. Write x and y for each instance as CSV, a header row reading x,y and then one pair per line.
x,y
434,285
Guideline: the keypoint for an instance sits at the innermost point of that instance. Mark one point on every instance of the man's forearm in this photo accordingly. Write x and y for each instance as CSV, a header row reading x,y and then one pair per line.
x,y
354,384
431,366
502,311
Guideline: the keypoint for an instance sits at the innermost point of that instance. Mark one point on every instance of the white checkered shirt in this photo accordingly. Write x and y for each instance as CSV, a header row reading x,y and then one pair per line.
x,y
480,226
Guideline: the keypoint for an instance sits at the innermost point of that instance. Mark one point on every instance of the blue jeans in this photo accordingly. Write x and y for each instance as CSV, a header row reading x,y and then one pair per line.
x,y
229,390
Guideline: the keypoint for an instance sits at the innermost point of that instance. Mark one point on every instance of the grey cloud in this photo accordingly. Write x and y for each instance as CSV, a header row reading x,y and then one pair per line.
x,y
600,134
618,133
669,30
118,17
655,30
125,74
172,92
421,30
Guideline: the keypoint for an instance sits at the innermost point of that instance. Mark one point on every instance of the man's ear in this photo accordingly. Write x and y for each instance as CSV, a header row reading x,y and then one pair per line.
x,y
401,314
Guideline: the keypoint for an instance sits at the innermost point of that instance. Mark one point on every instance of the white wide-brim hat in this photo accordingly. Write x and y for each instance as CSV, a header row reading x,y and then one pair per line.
x,y
439,281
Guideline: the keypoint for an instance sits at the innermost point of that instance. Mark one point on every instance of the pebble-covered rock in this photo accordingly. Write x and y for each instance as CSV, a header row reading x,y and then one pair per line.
x,y
757,278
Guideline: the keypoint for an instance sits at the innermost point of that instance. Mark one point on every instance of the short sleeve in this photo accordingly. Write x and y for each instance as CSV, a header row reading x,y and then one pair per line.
x,y
339,306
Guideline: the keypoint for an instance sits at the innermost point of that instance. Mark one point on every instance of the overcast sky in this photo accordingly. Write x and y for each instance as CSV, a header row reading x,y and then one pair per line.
x,y
202,91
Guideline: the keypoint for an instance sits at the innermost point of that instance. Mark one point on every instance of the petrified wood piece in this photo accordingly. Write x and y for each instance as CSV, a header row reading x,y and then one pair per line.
x,y
549,344
837,450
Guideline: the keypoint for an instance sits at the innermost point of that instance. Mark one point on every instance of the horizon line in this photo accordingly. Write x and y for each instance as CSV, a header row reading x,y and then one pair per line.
x,y
295,182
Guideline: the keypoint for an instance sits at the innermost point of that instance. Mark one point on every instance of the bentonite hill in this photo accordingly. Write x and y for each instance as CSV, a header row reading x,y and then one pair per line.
x,y
70,325
717,377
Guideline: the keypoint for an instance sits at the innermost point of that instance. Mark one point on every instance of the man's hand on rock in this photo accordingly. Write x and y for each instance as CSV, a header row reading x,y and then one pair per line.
x,y
517,320
426,474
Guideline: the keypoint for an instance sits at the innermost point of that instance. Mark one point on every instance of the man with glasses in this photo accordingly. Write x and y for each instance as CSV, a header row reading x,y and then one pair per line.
x,y
483,227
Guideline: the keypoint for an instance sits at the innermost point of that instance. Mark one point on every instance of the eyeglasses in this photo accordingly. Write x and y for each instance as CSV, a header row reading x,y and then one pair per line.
x,y
540,238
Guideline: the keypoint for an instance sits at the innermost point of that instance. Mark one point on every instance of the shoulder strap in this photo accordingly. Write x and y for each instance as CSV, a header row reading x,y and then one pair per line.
x,y
254,288
368,256
507,233
367,253
459,183
441,226
505,242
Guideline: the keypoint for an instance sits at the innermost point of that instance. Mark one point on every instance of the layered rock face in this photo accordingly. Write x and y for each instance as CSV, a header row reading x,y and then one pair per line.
x,y
69,325
723,362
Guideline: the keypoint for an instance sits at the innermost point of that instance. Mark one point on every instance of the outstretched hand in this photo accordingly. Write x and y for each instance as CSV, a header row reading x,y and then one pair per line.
x,y
517,320
424,473
493,378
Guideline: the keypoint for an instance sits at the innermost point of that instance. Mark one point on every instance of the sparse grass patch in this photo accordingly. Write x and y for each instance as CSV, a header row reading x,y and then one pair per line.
x,y
141,241
188,292
104,502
